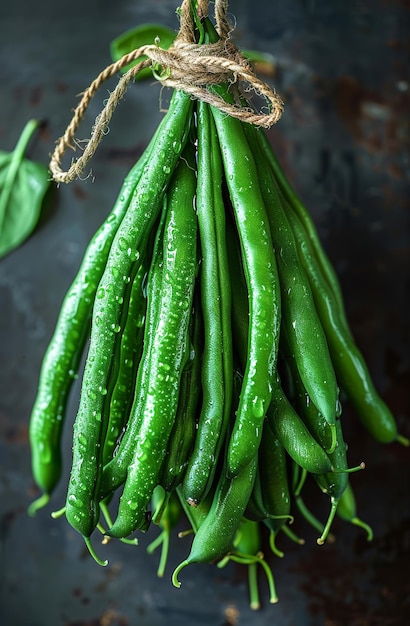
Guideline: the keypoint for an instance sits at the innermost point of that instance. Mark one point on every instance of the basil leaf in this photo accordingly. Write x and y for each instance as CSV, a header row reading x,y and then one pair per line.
x,y
141,36
23,184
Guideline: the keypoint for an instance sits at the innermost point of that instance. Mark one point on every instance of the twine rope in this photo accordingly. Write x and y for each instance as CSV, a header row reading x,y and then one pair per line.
x,y
186,66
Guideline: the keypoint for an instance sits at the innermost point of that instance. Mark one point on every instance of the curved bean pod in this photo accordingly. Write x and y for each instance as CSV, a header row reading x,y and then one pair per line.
x,y
64,352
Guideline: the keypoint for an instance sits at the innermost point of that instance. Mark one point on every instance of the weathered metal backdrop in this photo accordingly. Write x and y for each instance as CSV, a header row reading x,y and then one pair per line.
x,y
342,68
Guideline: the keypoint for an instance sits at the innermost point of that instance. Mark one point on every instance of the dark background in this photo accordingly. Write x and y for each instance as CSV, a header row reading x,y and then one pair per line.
x,y
342,68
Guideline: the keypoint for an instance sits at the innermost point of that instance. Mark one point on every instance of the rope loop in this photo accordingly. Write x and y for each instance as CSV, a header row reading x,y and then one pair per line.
x,y
186,66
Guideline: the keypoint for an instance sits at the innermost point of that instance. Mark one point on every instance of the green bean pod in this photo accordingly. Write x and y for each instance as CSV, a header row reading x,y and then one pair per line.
x,y
294,435
82,510
351,369
115,471
273,472
126,361
216,370
334,483
304,216
240,312
182,438
65,350
263,289
318,426
261,278
121,385
215,536
255,509
304,329
169,350
196,515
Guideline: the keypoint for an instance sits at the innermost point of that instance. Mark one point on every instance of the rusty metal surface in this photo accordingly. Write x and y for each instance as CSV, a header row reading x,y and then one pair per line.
x,y
343,70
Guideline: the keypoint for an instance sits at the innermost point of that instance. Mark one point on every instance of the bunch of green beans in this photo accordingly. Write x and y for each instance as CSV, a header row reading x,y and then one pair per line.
x,y
216,347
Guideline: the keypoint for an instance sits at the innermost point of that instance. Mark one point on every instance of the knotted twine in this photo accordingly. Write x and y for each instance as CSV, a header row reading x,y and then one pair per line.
x,y
186,66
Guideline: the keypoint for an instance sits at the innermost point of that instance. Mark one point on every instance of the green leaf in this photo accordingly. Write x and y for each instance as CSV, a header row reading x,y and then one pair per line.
x,y
142,35
23,184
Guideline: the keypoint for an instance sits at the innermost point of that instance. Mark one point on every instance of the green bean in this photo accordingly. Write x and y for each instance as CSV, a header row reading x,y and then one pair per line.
x,y
261,278
115,471
169,350
122,380
300,210
293,434
214,537
82,508
282,418
182,438
65,350
304,330
318,426
196,515
263,288
351,369
255,509
216,372
274,476
126,363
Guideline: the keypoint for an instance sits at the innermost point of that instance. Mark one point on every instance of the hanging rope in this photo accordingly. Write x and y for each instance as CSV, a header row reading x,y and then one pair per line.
x,y
186,66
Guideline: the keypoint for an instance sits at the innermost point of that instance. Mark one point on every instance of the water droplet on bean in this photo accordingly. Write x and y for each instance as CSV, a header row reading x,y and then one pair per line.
x,y
82,439
91,394
75,501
